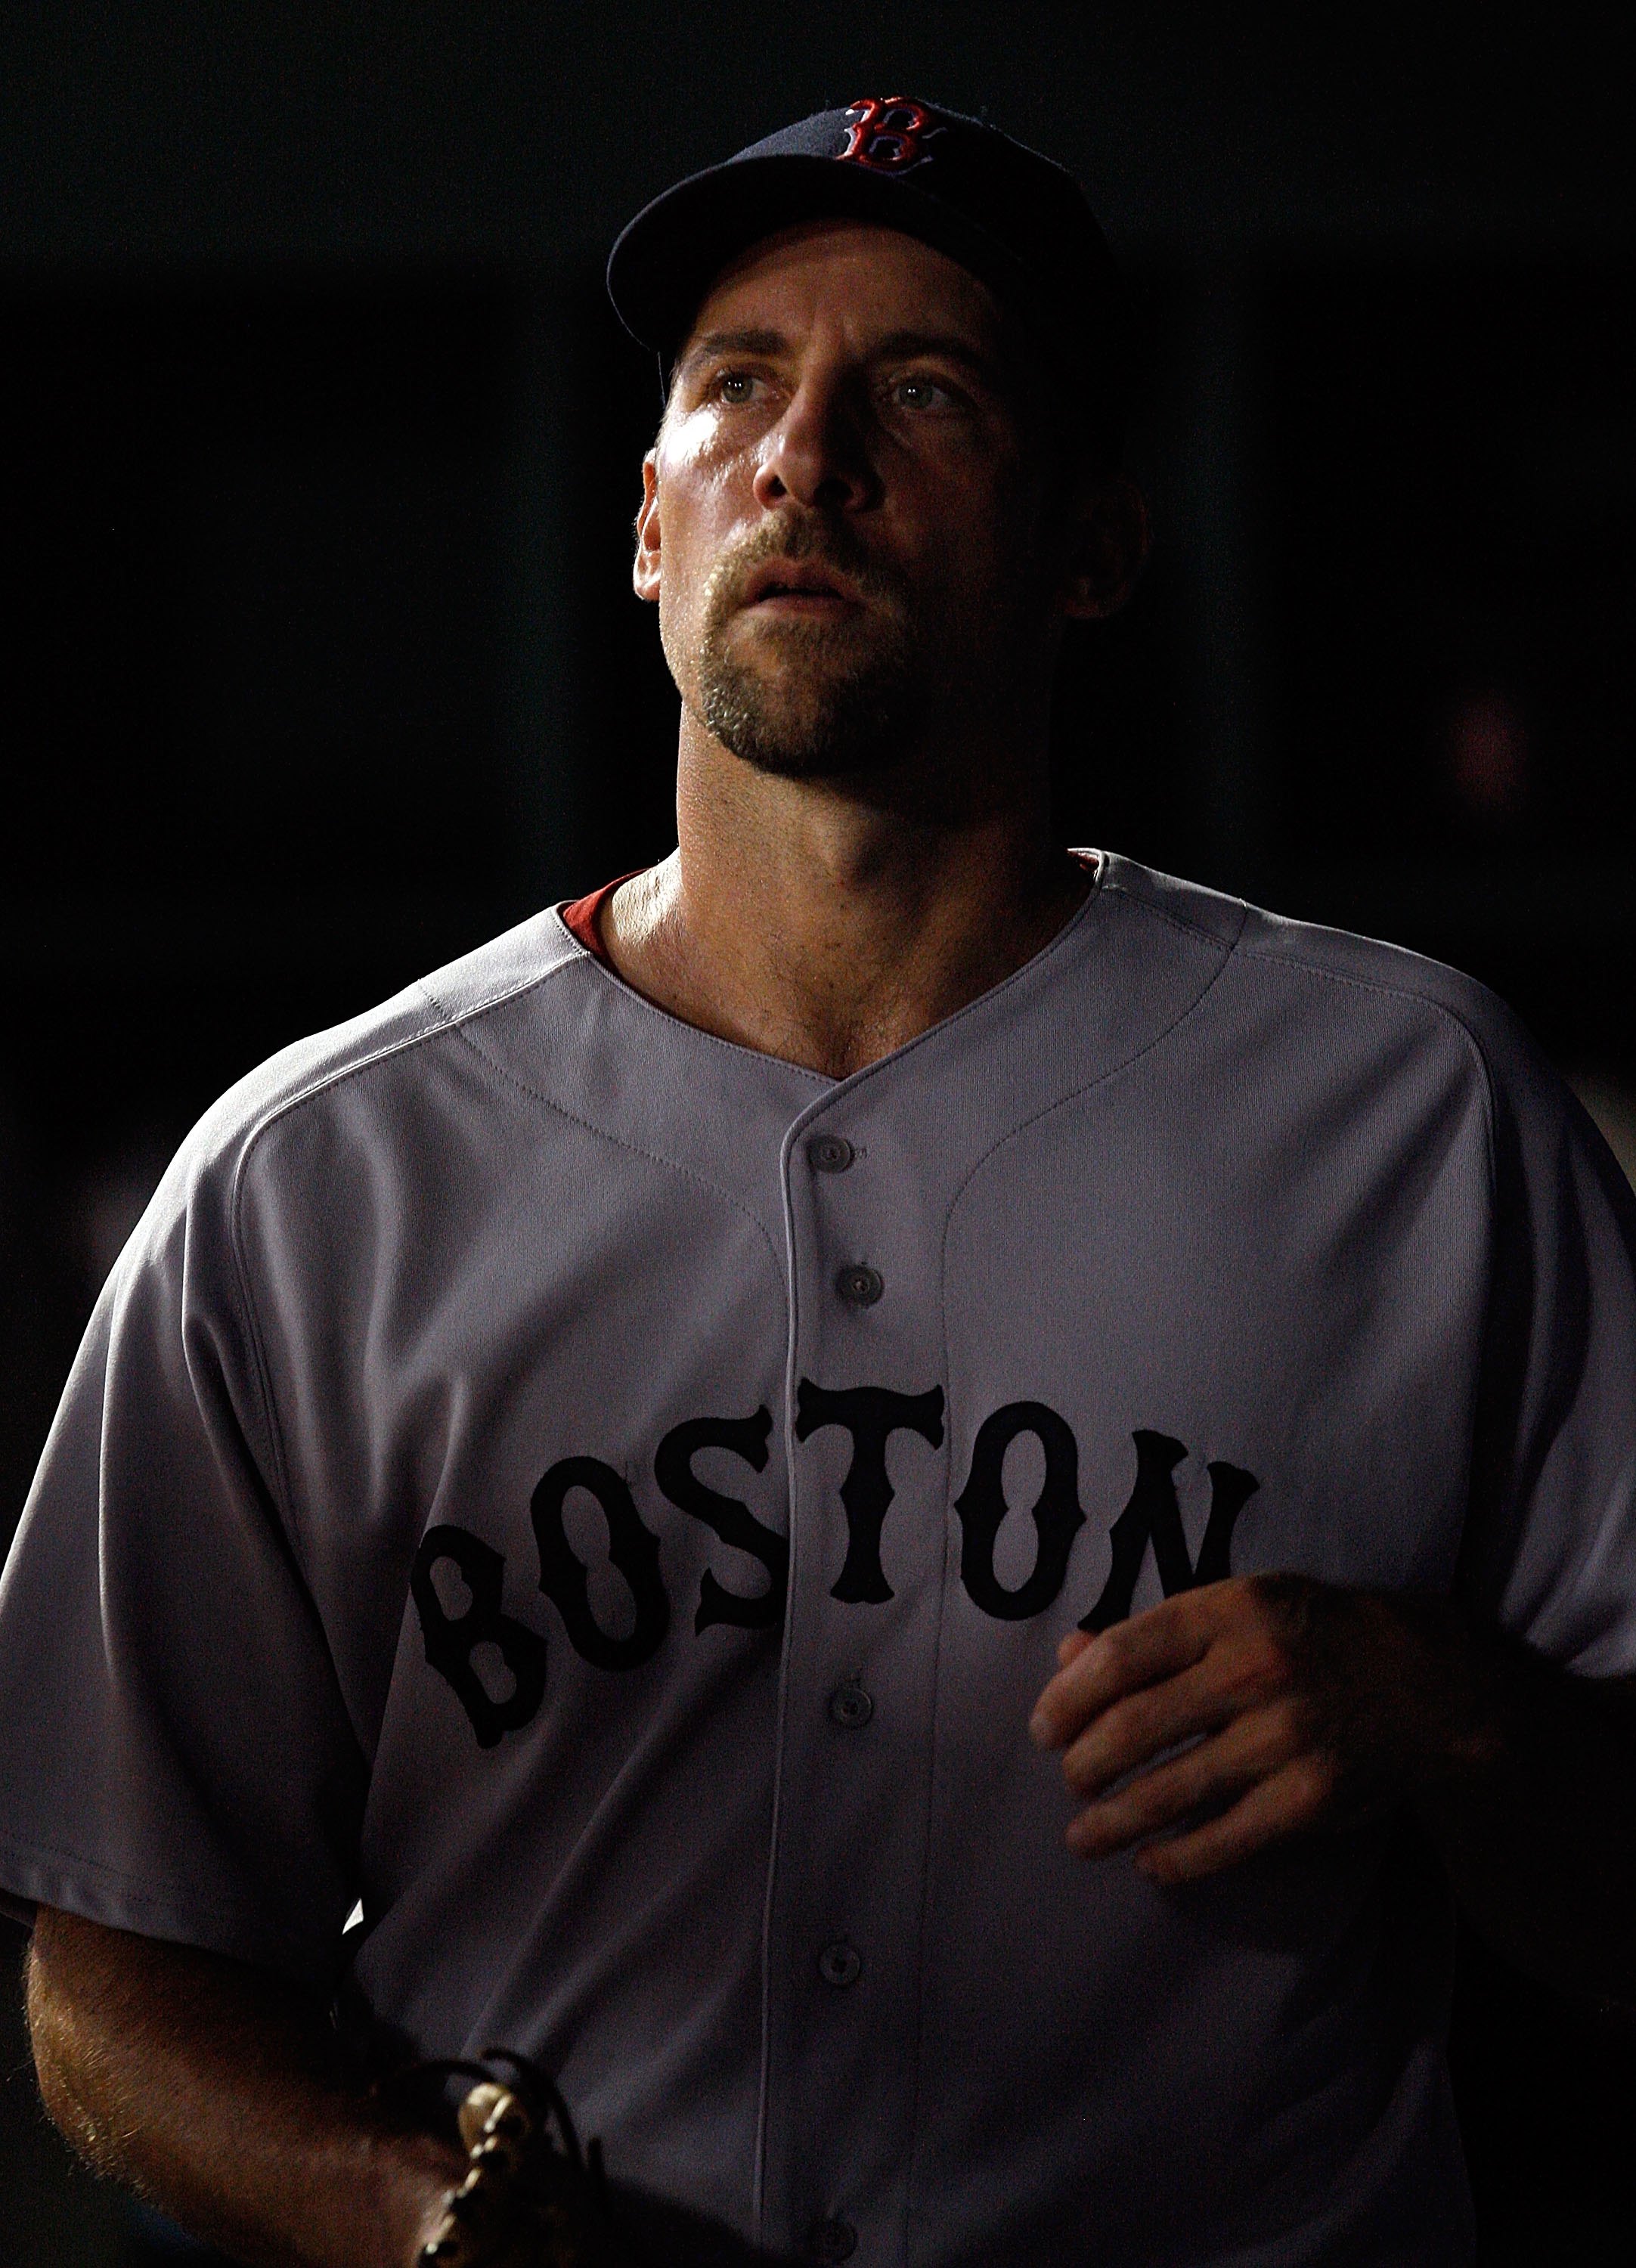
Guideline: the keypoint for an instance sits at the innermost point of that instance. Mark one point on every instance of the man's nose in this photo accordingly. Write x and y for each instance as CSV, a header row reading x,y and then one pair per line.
x,y
817,454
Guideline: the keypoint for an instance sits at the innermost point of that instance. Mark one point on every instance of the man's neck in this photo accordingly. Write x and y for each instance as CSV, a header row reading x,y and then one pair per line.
x,y
798,920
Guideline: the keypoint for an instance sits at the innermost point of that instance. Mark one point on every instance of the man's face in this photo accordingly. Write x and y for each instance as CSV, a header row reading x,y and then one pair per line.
x,y
842,518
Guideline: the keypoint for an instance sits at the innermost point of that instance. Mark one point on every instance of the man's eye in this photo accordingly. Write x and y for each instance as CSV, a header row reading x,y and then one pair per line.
x,y
919,394
735,385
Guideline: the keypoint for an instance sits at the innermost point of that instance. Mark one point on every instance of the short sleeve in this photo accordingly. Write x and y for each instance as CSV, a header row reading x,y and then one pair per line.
x,y
175,1755
1550,1543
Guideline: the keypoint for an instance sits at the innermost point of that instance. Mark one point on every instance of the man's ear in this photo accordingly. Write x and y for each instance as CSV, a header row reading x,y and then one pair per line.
x,y
1110,538
644,567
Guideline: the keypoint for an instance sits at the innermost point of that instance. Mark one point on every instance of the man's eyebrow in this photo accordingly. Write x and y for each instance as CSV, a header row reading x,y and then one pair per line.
x,y
949,346
742,341
946,346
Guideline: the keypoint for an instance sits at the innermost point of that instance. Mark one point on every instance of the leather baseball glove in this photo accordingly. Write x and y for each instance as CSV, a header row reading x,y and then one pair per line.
x,y
532,2197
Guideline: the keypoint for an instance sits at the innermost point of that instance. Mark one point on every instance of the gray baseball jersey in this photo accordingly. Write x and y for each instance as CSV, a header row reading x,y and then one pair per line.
x,y
607,1501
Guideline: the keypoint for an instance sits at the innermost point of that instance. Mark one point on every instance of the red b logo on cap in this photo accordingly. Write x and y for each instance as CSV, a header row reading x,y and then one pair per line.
x,y
886,132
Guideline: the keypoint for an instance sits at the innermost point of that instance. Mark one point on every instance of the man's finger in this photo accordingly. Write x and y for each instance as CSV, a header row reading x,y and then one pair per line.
x,y
1292,1800
1167,1639
1157,1799
1250,1748
1239,1664
1130,1732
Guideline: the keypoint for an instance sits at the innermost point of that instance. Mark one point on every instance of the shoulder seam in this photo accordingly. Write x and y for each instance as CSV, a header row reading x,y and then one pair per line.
x,y
457,1025
1227,954
1421,999
324,1083
1180,921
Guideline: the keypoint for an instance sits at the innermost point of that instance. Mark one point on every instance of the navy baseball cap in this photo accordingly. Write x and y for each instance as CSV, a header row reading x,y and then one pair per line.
x,y
1014,218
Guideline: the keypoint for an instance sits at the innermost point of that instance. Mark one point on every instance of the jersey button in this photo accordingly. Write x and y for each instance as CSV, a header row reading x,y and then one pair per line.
x,y
840,1964
850,1707
834,2240
830,1153
860,1287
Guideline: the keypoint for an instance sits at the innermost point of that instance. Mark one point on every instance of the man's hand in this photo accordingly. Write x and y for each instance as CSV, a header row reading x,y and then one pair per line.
x,y
1242,1712
1270,1703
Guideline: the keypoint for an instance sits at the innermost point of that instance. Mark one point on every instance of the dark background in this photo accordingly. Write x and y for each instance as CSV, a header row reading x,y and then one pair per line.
x,y
318,455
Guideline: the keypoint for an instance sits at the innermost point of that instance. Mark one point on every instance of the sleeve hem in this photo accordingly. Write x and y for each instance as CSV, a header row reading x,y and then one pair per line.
x,y
29,1879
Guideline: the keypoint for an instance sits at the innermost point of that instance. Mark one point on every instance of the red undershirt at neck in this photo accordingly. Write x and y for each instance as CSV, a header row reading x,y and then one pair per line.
x,y
583,920
583,917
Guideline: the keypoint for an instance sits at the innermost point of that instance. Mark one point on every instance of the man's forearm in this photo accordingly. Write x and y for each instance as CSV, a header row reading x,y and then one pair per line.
x,y
216,2091
1540,1839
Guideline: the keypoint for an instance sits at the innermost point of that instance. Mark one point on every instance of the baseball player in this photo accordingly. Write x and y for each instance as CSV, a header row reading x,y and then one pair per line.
x,y
890,1497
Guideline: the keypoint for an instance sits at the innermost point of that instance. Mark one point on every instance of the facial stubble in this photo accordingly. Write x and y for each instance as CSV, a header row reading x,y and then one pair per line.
x,y
811,699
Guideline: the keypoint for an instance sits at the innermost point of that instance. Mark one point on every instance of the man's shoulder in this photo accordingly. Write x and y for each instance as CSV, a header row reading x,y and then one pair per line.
x,y
389,1044
1306,970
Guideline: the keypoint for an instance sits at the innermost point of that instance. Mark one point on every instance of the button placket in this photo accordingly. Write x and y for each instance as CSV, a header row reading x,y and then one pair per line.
x,y
858,1284
834,2043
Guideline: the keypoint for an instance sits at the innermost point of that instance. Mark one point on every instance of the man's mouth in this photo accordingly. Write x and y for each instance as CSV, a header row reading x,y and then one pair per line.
x,y
798,586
